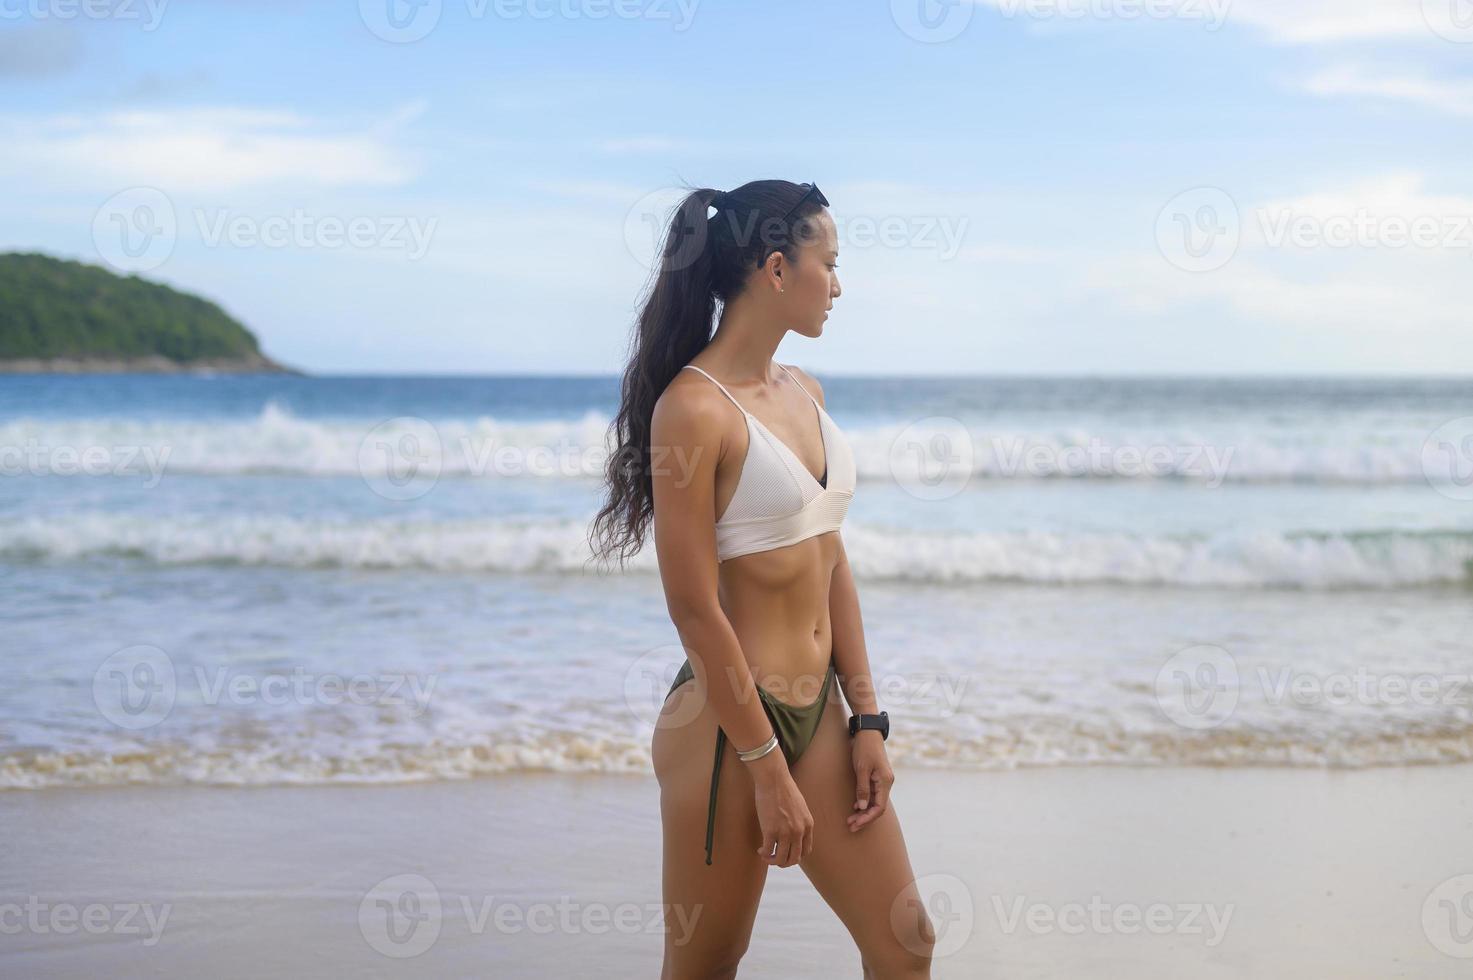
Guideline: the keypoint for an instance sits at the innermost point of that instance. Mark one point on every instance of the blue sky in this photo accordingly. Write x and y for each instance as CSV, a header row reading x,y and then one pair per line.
x,y
1022,186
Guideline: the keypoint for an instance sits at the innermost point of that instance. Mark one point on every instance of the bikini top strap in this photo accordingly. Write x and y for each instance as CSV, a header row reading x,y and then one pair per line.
x,y
719,385
799,384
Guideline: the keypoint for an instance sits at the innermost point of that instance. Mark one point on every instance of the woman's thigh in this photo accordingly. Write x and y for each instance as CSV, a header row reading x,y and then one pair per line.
x,y
709,909
865,876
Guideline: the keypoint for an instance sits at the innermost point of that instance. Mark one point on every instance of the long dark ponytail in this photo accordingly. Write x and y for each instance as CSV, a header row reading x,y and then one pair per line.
x,y
702,261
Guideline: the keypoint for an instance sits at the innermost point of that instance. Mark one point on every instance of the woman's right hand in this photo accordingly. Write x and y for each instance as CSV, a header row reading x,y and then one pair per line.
x,y
787,825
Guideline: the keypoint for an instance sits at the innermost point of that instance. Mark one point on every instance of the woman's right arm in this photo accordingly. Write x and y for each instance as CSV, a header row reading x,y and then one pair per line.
x,y
686,444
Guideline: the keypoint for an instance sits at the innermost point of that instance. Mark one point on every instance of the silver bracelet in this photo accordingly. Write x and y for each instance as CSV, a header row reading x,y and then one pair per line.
x,y
751,755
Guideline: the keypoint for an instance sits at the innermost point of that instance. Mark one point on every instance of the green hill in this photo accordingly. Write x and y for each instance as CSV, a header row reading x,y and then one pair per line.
x,y
62,315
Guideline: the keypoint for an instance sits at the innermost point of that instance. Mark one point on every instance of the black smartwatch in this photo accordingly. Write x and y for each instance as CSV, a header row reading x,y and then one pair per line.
x,y
879,723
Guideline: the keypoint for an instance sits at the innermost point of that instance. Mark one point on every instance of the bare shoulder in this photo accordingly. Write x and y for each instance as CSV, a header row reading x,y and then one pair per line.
x,y
690,411
809,382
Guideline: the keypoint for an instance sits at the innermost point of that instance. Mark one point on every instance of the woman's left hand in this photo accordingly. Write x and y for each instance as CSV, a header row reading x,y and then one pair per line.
x,y
873,778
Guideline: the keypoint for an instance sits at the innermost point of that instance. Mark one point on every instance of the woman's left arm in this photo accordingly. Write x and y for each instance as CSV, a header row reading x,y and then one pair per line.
x,y
872,773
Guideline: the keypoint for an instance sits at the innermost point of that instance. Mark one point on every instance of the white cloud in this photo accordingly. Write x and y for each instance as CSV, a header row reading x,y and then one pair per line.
x,y
1326,21
1455,97
1353,271
1260,289
203,149
1285,21
1374,202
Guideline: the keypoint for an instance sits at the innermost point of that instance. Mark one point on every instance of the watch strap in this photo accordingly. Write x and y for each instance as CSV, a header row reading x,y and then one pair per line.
x,y
879,723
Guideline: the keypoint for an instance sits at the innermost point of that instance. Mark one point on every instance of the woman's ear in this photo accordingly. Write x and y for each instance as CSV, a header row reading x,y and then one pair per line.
x,y
775,269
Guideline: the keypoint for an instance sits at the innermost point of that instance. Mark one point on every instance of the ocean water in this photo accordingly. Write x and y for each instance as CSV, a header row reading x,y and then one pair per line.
x,y
272,579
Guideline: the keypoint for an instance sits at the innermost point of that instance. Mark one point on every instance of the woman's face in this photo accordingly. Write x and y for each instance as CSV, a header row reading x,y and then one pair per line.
x,y
811,284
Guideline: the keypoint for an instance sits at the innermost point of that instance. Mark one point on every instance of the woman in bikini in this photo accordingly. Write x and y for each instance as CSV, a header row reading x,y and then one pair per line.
x,y
746,480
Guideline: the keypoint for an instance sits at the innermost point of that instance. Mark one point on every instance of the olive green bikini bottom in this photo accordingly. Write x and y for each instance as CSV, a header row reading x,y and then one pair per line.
x,y
795,726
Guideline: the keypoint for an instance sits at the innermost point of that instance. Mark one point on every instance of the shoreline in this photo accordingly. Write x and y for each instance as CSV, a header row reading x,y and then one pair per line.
x,y
152,364
1048,872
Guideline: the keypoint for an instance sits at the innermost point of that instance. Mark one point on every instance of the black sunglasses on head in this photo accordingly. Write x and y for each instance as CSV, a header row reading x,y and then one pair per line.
x,y
810,190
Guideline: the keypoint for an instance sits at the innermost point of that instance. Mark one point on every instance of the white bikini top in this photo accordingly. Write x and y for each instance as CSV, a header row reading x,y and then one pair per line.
x,y
777,502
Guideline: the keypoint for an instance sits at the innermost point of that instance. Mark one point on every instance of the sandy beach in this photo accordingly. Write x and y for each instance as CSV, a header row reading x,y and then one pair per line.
x,y
1244,872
